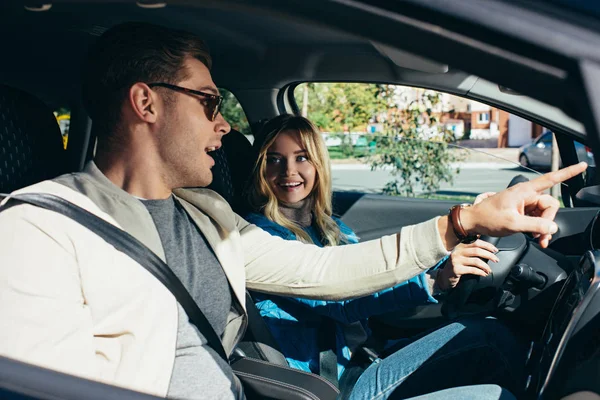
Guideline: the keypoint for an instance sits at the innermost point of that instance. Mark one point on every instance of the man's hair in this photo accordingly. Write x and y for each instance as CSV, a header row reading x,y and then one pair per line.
x,y
129,53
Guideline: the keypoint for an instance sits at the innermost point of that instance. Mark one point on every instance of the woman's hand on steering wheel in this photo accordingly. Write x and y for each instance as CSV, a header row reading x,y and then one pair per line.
x,y
466,259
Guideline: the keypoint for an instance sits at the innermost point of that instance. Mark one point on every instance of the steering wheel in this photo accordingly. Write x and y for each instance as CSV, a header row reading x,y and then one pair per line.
x,y
486,291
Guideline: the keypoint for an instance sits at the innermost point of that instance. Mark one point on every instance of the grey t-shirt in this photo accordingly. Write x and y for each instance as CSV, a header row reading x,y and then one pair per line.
x,y
198,371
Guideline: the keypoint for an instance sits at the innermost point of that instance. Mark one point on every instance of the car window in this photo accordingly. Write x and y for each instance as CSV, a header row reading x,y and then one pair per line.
x,y
233,112
63,117
414,142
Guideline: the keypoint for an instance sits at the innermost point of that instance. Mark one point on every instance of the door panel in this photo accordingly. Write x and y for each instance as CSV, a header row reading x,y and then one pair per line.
x,y
374,215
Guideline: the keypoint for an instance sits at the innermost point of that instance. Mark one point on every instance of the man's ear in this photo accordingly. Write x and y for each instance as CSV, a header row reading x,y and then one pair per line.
x,y
143,102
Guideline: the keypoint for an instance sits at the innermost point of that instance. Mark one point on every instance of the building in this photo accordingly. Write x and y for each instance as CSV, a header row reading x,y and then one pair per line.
x,y
469,119
480,122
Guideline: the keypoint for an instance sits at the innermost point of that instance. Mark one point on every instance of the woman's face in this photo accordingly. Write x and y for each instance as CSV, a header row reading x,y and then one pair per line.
x,y
289,172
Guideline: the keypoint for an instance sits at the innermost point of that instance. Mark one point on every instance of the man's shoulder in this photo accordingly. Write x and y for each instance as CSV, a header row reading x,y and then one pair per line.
x,y
210,203
203,198
200,192
56,188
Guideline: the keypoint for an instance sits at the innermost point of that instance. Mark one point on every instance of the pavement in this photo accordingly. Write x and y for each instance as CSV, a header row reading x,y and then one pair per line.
x,y
472,178
475,157
483,170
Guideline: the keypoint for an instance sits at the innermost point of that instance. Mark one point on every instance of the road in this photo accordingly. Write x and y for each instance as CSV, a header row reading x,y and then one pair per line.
x,y
473,178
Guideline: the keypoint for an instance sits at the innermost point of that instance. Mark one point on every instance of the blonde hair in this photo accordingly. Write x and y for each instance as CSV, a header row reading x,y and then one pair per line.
x,y
261,196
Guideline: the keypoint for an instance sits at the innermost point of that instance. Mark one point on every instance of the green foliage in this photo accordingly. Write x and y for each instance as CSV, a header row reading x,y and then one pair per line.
x,y
415,145
336,152
346,146
233,113
342,107
63,111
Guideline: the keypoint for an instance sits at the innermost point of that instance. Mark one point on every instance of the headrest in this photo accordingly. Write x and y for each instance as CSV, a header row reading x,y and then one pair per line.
x,y
31,146
233,166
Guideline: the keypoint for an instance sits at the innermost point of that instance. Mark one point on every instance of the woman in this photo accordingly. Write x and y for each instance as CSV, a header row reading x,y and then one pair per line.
x,y
292,198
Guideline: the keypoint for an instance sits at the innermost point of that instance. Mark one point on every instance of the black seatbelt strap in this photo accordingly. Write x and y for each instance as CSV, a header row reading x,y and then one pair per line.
x,y
132,247
328,368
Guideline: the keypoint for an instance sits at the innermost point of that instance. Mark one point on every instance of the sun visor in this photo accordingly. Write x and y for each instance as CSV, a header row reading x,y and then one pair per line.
x,y
408,60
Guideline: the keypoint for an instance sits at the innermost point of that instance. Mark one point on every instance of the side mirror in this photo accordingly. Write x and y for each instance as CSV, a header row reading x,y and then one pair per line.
x,y
540,145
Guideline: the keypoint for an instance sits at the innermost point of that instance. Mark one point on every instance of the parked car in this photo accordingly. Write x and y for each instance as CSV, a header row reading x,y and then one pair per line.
x,y
538,154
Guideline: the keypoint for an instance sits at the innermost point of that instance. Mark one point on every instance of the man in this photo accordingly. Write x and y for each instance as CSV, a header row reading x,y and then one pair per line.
x,y
73,303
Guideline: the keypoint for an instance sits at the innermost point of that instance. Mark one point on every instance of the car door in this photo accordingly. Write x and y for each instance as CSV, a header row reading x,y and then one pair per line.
x,y
363,184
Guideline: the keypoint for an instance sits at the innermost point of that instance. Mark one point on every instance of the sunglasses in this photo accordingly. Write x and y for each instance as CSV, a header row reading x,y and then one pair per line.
x,y
211,101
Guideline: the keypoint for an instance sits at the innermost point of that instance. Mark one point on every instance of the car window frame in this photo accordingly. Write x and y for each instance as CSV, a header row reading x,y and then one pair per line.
x,y
565,139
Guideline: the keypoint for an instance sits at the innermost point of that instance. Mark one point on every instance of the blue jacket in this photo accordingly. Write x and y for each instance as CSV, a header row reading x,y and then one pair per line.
x,y
295,323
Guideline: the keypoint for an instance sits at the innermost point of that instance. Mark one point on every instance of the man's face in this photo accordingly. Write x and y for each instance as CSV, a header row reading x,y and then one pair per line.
x,y
186,134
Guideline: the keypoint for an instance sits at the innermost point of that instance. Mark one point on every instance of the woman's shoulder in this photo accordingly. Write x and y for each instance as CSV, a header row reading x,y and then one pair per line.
x,y
346,230
257,219
272,227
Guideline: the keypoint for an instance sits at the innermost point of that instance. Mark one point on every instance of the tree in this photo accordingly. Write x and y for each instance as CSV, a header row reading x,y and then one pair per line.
x,y
233,113
415,145
413,142
342,108
318,106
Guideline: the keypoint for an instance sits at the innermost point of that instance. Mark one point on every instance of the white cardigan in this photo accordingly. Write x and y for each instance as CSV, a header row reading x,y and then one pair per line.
x,y
70,302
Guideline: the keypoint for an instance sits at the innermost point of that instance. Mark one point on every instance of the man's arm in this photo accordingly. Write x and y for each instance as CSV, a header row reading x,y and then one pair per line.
x,y
291,268
44,317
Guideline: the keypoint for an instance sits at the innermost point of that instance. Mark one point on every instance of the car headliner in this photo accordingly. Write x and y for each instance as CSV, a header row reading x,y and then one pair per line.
x,y
255,55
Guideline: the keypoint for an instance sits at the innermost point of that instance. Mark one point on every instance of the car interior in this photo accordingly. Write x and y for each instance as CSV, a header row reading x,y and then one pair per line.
x,y
261,53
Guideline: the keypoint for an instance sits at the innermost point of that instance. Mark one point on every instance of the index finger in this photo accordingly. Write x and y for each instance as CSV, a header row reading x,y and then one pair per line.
x,y
550,179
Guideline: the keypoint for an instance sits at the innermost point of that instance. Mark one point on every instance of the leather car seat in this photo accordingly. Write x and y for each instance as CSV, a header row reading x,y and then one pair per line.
x,y
31,146
233,166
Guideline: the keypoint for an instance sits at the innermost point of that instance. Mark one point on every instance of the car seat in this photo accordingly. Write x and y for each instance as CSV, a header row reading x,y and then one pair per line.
x,y
233,166
31,146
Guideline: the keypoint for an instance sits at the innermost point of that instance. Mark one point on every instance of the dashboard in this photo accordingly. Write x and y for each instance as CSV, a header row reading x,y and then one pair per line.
x,y
571,337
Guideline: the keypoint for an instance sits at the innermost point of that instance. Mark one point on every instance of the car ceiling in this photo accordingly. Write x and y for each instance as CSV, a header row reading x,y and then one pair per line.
x,y
252,52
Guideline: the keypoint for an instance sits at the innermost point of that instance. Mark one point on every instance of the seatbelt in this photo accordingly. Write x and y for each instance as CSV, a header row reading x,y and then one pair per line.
x,y
132,247
354,333
328,368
